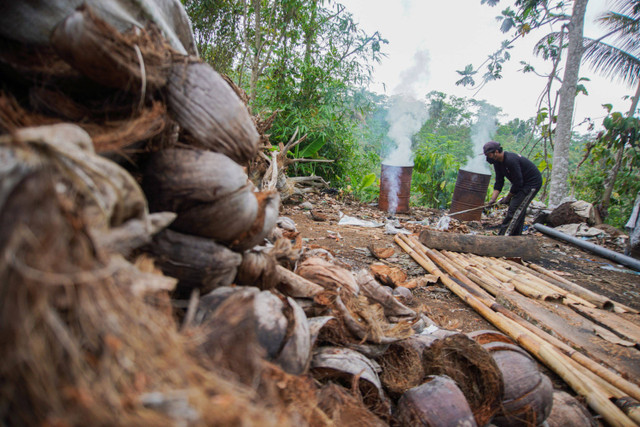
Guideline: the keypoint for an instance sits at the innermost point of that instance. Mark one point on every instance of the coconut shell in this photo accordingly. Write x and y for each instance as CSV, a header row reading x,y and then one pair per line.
x,y
436,403
178,179
567,411
278,325
133,62
195,261
528,393
210,112
296,353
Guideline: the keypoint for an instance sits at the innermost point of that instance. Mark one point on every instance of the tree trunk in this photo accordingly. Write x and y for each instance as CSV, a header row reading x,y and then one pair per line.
x,y
558,187
255,63
613,173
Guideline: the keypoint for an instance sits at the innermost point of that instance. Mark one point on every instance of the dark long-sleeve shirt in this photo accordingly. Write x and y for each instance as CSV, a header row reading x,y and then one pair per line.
x,y
521,171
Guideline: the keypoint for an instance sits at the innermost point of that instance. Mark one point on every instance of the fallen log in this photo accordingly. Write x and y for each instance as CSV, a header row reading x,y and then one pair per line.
x,y
510,246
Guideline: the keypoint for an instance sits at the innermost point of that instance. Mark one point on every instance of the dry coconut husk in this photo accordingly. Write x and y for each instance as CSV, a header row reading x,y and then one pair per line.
x,y
472,368
211,195
345,409
355,371
132,132
327,275
138,61
197,262
106,193
272,327
210,112
78,347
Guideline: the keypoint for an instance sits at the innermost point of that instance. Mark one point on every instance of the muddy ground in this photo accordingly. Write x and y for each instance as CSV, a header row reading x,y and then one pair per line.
x,y
319,227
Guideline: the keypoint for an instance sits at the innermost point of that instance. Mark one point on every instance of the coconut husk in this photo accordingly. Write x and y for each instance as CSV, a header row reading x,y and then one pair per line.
x,y
210,112
79,348
211,195
299,396
138,61
273,328
258,269
402,366
34,63
344,409
107,193
390,276
197,262
472,368
528,393
353,370
14,117
376,293
327,275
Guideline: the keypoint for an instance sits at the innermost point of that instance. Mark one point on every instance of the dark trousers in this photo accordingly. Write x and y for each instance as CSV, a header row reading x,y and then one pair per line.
x,y
513,222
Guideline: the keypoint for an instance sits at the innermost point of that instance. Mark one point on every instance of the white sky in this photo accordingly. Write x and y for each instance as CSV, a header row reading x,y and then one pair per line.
x,y
455,33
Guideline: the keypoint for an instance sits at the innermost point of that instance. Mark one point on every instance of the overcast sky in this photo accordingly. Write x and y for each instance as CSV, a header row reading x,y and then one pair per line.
x,y
430,39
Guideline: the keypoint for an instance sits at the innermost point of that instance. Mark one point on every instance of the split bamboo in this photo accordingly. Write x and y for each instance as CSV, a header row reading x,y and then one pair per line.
x,y
548,354
595,298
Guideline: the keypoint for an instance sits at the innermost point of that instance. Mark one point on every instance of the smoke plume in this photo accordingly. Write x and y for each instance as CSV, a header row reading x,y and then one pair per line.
x,y
482,131
405,117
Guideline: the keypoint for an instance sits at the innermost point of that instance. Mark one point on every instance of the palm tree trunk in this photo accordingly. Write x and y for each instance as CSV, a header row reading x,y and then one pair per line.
x,y
613,173
558,188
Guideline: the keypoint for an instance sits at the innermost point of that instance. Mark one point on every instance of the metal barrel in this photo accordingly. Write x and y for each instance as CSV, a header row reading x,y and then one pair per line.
x,y
395,188
470,192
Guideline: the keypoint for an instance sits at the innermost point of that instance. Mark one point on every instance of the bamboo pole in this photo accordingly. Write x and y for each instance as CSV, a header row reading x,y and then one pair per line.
x,y
594,297
568,295
544,351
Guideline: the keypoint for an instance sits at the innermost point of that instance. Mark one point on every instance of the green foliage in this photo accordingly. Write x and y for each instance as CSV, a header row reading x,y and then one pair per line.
x,y
434,175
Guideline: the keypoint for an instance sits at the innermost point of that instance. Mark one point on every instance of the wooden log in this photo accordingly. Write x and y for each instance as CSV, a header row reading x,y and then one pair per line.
x,y
510,246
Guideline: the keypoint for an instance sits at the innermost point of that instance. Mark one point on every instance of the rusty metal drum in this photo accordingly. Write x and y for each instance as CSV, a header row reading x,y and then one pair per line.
x,y
470,192
395,188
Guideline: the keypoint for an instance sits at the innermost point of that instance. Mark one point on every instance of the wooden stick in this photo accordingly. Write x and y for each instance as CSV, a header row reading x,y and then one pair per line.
x,y
543,350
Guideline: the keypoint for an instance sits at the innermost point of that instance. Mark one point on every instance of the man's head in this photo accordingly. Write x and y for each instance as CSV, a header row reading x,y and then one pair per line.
x,y
492,150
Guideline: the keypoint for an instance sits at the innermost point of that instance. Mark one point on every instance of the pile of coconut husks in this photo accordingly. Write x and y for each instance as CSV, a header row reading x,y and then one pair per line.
x,y
142,275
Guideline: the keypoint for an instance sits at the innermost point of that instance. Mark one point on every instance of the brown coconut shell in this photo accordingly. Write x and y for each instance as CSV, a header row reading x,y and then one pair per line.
x,y
274,328
436,403
567,411
210,112
137,62
211,195
197,262
472,368
528,393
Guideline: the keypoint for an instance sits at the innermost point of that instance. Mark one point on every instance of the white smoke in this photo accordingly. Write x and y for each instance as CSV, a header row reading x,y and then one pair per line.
x,y
405,117
482,131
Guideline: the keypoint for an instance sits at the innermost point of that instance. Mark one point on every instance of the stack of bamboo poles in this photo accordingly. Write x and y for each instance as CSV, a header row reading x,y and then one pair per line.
x,y
597,384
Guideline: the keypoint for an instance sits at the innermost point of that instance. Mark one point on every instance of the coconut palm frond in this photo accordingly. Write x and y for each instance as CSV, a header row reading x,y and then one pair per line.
x,y
624,25
611,61
626,7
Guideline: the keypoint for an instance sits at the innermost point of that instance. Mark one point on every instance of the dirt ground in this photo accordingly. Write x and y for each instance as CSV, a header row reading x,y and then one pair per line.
x,y
317,218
